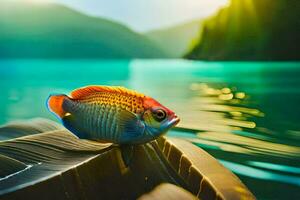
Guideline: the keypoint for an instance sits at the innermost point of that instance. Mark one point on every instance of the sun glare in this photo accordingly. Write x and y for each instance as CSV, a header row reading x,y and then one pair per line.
x,y
210,6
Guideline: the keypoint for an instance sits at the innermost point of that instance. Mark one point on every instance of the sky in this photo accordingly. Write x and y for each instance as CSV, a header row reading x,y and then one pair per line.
x,y
144,15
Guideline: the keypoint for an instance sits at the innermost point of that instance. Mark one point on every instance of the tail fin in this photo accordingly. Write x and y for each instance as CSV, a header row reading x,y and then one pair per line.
x,y
55,104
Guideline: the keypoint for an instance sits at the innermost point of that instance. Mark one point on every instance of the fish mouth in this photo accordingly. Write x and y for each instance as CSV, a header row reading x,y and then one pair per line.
x,y
174,121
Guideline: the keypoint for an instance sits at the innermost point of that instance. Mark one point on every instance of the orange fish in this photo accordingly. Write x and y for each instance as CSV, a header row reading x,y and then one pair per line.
x,y
112,114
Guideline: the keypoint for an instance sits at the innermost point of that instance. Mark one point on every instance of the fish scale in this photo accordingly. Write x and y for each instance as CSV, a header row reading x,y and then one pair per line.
x,y
84,113
95,121
100,106
98,121
109,121
115,127
104,121
107,102
93,124
124,101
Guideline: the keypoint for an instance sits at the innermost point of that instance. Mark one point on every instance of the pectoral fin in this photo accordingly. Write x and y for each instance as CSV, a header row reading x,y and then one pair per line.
x,y
132,127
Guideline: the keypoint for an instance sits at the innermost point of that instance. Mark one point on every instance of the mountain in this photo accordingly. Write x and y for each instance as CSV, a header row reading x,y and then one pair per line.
x,y
54,31
251,30
176,40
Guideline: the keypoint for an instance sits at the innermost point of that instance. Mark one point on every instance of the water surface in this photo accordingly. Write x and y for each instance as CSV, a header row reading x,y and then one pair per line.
x,y
246,114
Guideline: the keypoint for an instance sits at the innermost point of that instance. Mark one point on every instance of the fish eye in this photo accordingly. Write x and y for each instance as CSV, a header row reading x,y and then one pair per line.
x,y
159,115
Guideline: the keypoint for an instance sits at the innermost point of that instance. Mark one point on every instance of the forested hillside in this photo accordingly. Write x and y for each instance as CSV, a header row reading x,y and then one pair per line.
x,y
55,31
251,30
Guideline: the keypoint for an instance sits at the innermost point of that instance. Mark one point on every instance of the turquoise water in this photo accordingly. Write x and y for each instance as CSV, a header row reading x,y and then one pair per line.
x,y
246,114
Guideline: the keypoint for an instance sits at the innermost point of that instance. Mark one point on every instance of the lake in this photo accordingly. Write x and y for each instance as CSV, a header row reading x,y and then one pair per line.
x,y
246,114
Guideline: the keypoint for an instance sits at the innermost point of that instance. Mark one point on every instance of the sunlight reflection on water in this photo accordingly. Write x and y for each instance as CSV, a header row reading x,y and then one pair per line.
x,y
220,122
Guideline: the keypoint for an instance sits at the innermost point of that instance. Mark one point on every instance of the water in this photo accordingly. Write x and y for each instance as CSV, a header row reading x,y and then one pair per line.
x,y
246,114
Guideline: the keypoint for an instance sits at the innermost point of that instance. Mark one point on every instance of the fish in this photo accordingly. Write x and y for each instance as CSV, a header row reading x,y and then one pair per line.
x,y
112,114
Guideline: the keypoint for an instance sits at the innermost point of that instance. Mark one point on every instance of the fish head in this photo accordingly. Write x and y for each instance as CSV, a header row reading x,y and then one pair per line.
x,y
157,118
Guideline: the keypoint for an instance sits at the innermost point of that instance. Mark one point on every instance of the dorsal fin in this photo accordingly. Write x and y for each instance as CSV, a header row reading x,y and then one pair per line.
x,y
84,91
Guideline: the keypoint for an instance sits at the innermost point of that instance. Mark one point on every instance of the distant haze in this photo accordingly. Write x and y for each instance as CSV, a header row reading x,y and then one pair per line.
x,y
144,15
